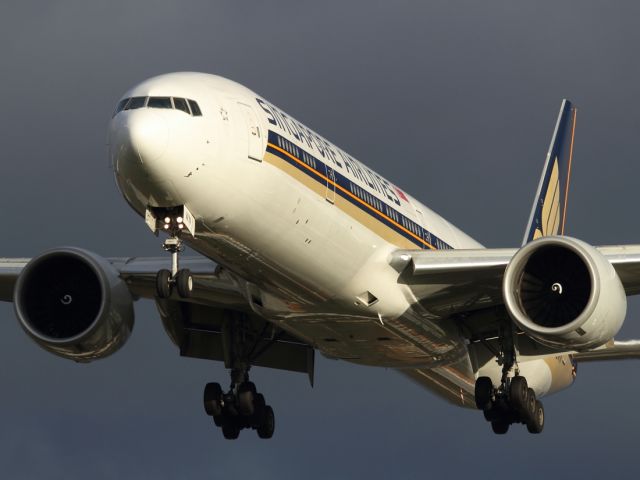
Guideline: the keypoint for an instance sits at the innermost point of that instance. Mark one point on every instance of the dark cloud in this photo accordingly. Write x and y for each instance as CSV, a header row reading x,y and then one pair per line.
x,y
454,101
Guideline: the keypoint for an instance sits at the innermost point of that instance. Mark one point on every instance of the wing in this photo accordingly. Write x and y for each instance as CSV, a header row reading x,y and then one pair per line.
x,y
196,325
478,266
140,273
468,284
612,351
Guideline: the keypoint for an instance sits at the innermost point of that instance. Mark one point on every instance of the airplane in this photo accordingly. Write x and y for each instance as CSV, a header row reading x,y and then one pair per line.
x,y
303,248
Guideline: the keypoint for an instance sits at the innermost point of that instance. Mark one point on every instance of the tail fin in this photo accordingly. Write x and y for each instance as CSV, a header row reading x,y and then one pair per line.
x,y
549,211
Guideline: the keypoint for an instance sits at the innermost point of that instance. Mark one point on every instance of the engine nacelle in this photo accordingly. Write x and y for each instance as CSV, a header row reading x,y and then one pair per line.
x,y
564,293
74,304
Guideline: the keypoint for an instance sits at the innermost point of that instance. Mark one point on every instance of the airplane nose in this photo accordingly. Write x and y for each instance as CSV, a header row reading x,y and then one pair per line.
x,y
148,135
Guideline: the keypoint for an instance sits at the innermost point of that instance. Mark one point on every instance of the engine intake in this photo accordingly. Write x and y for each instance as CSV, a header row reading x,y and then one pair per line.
x,y
564,293
74,304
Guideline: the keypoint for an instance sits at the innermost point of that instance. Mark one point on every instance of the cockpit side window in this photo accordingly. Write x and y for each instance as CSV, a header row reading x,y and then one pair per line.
x,y
121,105
159,102
136,102
195,109
181,104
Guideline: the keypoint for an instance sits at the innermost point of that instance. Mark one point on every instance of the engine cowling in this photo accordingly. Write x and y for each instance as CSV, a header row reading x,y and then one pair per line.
x,y
564,293
73,304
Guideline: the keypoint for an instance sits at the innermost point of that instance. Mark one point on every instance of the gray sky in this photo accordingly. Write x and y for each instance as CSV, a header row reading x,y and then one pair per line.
x,y
452,100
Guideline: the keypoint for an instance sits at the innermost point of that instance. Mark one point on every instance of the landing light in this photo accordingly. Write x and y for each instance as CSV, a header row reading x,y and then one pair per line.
x,y
167,220
179,219
180,226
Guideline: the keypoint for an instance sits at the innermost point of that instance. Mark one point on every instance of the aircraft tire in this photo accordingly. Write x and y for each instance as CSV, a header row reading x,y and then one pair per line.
x,y
518,393
483,393
163,283
213,399
230,430
536,425
218,420
500,427
530,411
184,282
246,398
268,423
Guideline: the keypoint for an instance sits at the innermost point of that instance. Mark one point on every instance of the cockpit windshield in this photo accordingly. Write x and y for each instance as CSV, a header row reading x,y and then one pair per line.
x,y
185,105
135,102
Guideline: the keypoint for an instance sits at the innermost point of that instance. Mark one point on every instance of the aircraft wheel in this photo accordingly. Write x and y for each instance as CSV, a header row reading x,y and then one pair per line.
x,y
518,392
246,398
530,411
500,427
184,282
163,283
230,430
536,425
483,393
213,399
268,423
218,420
259,406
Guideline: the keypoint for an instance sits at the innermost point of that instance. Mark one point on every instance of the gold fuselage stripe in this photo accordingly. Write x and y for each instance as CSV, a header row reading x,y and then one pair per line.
x,y
347,192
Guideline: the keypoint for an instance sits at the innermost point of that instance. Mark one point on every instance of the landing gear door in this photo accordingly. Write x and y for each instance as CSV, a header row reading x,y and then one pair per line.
x,y
331,184
254,134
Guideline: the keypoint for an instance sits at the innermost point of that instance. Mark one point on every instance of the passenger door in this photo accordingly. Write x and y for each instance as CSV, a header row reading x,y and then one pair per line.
x,y
331,184
256,148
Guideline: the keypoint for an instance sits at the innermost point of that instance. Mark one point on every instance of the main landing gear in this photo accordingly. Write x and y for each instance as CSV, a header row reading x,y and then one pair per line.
x,y
512,401
180,279
241,407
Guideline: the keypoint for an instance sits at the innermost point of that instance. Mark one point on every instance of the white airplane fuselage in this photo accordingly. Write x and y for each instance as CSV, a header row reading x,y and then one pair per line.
x,y
305,228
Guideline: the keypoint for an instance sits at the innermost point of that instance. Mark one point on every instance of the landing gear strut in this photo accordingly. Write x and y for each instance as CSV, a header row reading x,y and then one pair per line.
x,y
242,406
512,401
181,279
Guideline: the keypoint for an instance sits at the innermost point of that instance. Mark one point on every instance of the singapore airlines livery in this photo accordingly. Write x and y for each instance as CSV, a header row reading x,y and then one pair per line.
x,y
315,251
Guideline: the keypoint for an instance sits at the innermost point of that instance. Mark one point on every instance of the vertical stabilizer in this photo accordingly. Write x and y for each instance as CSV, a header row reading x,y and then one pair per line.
x,y
549,211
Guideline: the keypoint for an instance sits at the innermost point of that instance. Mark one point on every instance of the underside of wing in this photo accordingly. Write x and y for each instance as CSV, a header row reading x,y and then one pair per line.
x,y
74,294
446,282
614,350
544,293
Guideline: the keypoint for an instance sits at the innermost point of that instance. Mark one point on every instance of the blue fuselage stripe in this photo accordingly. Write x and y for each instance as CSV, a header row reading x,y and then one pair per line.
x,y
378,209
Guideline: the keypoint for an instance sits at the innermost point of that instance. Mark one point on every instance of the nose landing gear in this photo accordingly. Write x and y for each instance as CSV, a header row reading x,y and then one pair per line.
x,y
175,221
181,279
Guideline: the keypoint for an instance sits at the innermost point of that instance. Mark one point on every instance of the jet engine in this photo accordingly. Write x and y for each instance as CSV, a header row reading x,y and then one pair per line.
x,y
564,293
74,304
